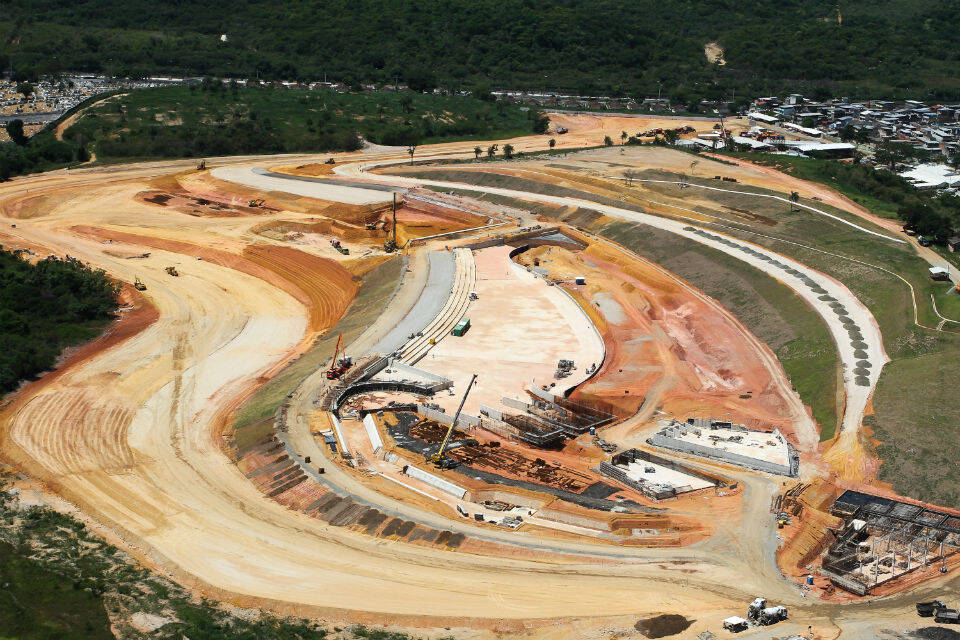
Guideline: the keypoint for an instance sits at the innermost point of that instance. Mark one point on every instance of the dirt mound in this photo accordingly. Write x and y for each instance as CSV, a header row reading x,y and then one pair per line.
x,y
324,286
935,633
667,624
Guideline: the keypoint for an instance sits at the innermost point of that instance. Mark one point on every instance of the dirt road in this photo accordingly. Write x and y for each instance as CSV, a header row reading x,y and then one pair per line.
x,y
132,435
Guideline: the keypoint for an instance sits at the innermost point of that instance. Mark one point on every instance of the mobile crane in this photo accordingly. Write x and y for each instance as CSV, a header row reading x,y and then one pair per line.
x,y
438,458
340,362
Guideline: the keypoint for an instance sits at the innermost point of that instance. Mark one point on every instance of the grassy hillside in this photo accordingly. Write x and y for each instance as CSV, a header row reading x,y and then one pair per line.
x,y
214,119
886,46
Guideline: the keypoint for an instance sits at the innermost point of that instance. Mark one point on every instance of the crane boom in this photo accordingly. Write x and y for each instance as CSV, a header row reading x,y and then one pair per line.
x,y
336,369
438,458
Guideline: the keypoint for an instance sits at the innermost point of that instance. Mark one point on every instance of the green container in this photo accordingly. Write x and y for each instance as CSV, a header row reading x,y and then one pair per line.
x,y
461,327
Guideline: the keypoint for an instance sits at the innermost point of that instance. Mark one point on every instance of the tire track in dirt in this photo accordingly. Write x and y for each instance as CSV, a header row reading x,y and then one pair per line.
x,y
320,284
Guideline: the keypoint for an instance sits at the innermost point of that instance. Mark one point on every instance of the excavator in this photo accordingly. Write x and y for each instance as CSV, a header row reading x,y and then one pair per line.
x,y
172,271
340,362
138,285
438,458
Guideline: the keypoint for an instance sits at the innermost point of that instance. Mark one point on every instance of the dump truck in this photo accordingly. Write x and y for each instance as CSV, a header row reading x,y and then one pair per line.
x,y
339,246
172,271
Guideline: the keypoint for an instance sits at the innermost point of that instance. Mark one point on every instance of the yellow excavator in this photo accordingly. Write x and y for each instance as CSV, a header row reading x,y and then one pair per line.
x,y
138,285
172,271
438,458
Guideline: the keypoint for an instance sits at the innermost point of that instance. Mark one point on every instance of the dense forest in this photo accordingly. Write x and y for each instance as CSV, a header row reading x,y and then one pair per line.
x,y
883,48
45,307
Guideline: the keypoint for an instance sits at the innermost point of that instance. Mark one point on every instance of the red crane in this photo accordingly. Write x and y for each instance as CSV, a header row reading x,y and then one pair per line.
x,y
337,365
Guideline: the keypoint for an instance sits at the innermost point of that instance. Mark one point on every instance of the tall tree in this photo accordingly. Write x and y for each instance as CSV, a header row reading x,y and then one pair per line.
x,y
15,131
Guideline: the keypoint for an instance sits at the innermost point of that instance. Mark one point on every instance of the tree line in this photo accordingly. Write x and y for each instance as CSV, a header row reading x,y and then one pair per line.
x,y
45,307
884,48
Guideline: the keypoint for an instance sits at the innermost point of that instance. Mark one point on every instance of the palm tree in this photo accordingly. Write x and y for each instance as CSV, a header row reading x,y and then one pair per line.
x,y
552,143
623,137
411,149
491,150
476,153
508,150
794,199
607,140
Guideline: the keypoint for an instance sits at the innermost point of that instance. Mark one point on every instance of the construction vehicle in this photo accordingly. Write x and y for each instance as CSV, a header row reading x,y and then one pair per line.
x,y
253,204
172,271
336,244
390,245
340,362
202,165
438,458
462,326
138,285
929,609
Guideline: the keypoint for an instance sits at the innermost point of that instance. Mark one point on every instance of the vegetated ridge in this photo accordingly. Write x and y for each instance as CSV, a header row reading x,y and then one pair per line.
x,y
46,307
217,119
887,47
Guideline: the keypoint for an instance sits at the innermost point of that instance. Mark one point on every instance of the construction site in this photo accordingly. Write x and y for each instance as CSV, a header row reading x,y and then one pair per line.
x,y
371,391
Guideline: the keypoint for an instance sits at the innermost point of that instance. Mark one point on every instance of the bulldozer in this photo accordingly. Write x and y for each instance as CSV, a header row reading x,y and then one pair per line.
x,y
172,271
138,285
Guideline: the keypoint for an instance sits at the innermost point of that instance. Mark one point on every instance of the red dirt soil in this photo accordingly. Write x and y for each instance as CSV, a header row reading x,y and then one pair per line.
x,y
664,342
322,285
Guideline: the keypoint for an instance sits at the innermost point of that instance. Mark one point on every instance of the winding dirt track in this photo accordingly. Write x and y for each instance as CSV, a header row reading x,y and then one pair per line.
x,y
131,435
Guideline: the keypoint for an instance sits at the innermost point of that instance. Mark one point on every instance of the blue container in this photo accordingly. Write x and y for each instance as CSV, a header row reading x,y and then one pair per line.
x,y
593,431
810,579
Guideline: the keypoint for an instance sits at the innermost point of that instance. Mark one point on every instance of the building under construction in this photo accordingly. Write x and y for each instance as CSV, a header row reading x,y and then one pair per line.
x,y
883,539
655,476
543,422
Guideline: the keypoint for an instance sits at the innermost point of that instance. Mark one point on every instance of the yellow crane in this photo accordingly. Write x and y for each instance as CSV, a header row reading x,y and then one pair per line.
x,y
437,458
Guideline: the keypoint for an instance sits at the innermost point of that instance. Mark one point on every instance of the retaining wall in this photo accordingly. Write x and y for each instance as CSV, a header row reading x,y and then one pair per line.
x,y
342,441
434,481
371,426
439,382
443,418
667,442
574,519
496,414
